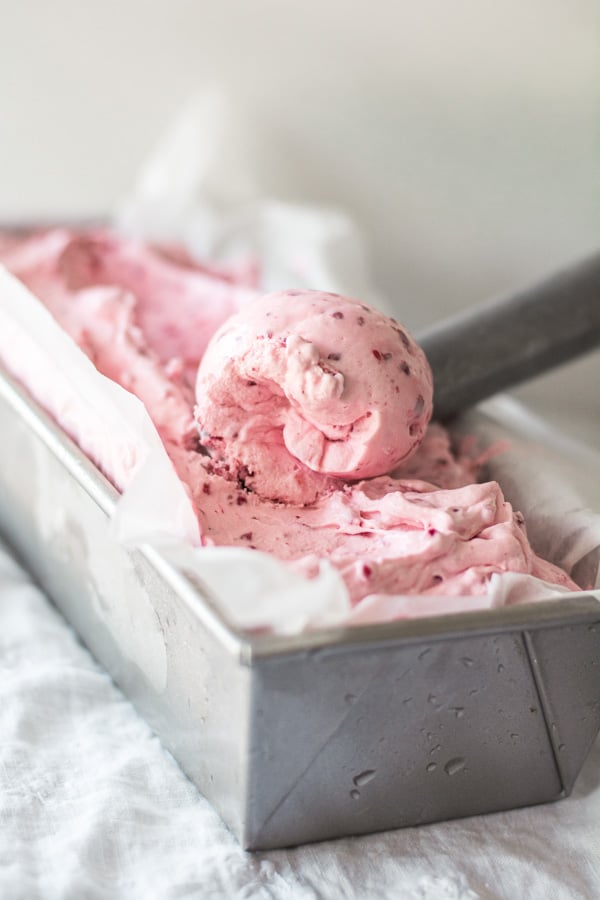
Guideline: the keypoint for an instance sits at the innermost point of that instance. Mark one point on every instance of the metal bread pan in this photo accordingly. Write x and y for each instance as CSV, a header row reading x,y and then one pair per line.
x,y
325,734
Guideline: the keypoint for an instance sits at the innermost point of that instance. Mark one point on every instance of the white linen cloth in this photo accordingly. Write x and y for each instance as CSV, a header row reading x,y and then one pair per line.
x,y
92,807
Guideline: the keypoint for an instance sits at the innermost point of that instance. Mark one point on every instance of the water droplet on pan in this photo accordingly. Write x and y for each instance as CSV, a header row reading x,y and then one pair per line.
x,y
355,794
455,765
431,767
364,777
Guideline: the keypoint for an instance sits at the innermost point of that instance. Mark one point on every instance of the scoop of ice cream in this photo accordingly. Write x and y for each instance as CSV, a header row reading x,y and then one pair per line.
x,y
303,387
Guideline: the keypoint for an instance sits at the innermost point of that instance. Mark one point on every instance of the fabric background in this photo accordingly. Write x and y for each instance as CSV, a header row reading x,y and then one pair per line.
x,y
92,807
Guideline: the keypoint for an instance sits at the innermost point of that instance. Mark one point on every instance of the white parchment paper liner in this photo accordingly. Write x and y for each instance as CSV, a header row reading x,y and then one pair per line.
x,y
196,190
201,188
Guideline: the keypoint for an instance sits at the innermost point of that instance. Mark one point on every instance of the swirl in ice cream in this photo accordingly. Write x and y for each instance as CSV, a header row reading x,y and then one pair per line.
x,y
302,388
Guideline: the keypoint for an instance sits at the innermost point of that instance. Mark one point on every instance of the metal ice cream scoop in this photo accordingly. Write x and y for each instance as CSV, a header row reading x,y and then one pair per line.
x,y
504,342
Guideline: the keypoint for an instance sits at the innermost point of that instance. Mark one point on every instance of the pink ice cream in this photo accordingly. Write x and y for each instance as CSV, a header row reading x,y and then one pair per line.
x,y
303,389
167,291
296,417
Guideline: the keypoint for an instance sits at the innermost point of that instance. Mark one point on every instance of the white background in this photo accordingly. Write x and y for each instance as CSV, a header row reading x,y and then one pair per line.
x,y
463,136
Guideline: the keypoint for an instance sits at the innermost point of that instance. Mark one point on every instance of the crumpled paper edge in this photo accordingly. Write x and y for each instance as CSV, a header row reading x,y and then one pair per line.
x,y
199,188
549,477
110,424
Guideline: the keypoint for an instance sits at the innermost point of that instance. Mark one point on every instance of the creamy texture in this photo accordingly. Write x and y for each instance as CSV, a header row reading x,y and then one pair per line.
x,y
303,389
168,290
145,319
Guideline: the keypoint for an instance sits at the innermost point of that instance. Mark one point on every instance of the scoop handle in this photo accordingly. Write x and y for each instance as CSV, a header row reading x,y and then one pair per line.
x,y
504,342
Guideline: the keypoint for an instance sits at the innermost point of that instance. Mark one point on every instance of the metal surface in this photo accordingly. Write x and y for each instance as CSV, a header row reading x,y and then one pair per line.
x,y
495,345
316,736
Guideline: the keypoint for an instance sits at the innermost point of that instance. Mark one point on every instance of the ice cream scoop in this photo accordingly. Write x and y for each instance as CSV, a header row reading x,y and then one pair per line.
x,y
499,344
302,387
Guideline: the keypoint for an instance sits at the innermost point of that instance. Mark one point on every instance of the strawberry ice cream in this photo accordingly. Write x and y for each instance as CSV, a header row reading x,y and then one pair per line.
x,y
305,432
302,390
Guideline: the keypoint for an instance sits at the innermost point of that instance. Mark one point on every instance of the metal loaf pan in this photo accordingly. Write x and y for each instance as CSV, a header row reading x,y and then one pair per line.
x,y
327,734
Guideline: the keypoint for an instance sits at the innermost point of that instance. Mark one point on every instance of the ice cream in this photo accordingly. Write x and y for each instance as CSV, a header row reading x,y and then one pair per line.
x,y
169,290
300,435
302,390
